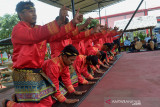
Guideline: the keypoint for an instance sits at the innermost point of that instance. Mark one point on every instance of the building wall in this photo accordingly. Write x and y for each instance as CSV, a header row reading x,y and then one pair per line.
x,y
109,20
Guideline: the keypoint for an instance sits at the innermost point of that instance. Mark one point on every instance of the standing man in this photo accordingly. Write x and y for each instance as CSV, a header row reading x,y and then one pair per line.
x,y
32,87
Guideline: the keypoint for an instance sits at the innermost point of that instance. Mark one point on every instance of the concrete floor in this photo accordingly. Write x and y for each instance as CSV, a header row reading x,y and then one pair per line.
x,y
136,76
6,95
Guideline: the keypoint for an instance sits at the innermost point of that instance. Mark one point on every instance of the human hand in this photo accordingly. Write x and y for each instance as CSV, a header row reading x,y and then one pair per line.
x,y
70,101
78,18
63,13
88,21
96,78
90,82
100,71
79,92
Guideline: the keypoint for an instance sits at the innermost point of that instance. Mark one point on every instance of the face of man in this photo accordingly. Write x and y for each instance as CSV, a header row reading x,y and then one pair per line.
x,y
126,37
135,39
98,54
152,37
116,45
68,60
106,48
29,15
88,62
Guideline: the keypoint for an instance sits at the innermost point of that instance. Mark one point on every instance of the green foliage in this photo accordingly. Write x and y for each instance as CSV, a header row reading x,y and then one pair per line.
x,y
141,35
121,40
94,22
84,20
7,22
3,59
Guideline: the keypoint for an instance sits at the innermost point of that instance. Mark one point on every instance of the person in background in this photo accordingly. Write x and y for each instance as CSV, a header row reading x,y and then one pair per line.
x,y
127,43
158,37
152,43
133,44
146,41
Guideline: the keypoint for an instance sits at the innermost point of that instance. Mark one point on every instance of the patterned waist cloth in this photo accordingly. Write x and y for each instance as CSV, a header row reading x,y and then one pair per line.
x,y
32,85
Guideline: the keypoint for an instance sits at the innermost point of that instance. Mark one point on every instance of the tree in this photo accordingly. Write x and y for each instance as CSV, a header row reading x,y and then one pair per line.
x,y
7,22
94,22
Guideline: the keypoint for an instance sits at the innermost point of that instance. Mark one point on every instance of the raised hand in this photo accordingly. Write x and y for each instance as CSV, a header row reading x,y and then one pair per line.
x,y
88,21
63,13
83,26
116,28
78,18
70,101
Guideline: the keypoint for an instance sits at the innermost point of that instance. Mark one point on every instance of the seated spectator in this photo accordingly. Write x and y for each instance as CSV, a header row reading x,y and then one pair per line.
x,y
158,37
152,43
135,45
127,43
146,41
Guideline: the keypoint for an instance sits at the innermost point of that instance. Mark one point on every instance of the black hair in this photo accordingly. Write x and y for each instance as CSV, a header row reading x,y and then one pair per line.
x,y
93,59
66,19
109,45
102,56
135,37
91,27
22,5
116,42
70,50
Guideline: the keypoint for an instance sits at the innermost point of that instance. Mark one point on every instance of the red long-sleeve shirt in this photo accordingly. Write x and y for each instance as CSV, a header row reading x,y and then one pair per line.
x,y
91,50
55,68
75,37
29,45
81,69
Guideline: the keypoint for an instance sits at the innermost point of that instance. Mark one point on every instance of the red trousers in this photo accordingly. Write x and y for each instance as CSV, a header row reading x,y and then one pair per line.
x,y
47,102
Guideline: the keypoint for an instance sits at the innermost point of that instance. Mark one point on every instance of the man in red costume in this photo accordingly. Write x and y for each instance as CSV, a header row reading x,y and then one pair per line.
x,y
28,55
80,66
75,37
59,67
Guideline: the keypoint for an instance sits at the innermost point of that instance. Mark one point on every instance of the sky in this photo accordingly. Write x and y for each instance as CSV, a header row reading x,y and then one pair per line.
x,y
47,13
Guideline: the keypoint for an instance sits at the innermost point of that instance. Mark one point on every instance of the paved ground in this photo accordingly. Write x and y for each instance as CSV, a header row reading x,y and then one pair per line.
x,y
135,77
6,95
